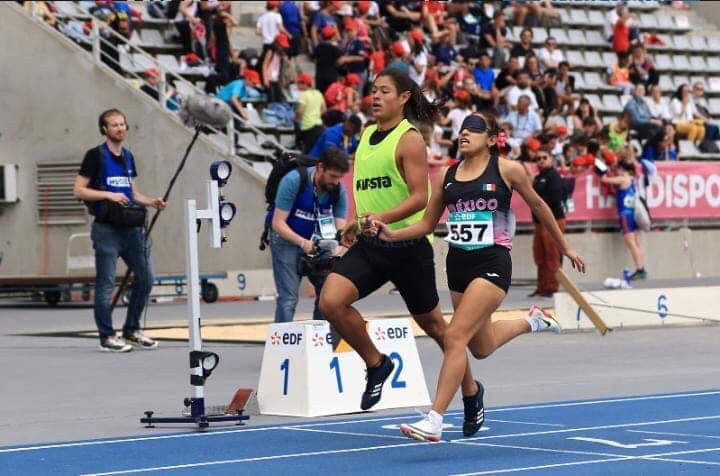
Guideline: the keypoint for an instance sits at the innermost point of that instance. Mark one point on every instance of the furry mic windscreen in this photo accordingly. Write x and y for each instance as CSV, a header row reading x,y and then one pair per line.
x,y
199,110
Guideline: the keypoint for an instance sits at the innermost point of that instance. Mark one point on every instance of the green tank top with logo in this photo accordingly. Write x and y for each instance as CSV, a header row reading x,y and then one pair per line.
x,y
379,186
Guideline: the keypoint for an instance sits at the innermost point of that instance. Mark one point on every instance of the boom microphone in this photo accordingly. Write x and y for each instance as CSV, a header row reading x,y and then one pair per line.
x,y
198,110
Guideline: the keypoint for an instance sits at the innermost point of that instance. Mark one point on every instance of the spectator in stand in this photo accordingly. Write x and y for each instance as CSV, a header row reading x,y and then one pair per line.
x,y
461,109
494,37
225,56
324,17
419,56
311,106
530,14
662,146
685,118
401,15
294,25
619,75
525,122
642,120
269,25
618,132
327,58
340,97
622,36
40,9
585,111
612,18
507,77
152,83
437,21
271,67
524,49
236,91
484,93
549,186
701,108
185,21
537,80
512,142
522,88
445,52
658,105
565,88
399,58
642,69
343,136
549,55
355,52
436,157
119,32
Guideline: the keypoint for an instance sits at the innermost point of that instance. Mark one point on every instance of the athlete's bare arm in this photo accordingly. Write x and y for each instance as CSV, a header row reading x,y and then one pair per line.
x,y
514,175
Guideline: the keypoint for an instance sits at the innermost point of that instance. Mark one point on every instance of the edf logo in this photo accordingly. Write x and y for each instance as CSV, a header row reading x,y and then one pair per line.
x,y
287,338
397,332
275,338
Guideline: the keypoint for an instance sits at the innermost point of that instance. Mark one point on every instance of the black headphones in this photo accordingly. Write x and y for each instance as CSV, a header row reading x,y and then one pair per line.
x,y
110,112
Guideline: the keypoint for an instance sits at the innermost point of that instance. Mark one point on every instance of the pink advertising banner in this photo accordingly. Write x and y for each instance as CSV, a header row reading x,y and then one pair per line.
x,y
678,190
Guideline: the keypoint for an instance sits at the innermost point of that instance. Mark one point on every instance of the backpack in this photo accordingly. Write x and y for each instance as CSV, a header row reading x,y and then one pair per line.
x,y
708,146
284,164
279,114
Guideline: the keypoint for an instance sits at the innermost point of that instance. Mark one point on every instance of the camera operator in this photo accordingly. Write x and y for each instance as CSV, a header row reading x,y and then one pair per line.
x,y
305,226
105,183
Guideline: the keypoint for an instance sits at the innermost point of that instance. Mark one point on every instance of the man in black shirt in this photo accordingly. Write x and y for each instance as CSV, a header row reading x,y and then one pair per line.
x,y
549,185
105,182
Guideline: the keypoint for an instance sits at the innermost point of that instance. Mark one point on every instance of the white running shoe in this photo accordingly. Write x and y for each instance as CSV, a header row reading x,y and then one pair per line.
x,y
427,429
543,321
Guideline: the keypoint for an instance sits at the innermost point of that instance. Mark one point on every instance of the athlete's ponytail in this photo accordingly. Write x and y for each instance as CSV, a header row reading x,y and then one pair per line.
x,y
417,109
493,129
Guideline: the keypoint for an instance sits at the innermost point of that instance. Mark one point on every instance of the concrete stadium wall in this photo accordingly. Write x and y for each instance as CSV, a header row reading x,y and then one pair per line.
x,y
51,93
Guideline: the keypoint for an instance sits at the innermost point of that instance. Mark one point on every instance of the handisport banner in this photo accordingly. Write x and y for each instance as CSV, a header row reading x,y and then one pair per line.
x,y
678,190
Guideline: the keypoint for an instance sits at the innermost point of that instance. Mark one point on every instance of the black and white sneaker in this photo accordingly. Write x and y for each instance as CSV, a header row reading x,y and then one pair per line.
x,y
114,344
474,412
375,379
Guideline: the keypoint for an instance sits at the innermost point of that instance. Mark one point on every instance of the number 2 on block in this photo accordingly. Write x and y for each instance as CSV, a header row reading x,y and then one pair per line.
x,y
396,382
285,366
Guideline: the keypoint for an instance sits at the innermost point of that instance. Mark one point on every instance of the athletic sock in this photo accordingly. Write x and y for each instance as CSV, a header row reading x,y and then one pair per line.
x,y
534,324
435,418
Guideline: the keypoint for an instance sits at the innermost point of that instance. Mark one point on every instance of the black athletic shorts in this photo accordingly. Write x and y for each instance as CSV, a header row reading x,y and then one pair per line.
x,y
492,264
409,265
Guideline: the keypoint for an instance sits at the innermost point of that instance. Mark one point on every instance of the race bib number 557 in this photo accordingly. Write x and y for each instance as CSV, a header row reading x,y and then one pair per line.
x,y
470,230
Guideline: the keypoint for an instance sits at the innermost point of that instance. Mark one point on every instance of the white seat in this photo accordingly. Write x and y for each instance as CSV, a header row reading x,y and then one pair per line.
x,y
594,38
669,43
609,58
697,63
714,106
576,37
152,37
560,36
596,18
169,62
700,79
665,22
579,17
593,60
713,43
682,43
687,150
612,104
698,43
663,62
681,63
143,62
579,82
564,16
680,80
539,35
594,81
595,102
666,83
643,5
713,64
648,21
575,57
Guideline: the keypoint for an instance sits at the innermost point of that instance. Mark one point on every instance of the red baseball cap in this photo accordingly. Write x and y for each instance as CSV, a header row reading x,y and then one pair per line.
x,y
461,95
336,3
533,144
363,6
351,25
273,3
609,156
283,40
151,72
398,49
561,130
352,78
417,35
328,31
251,76
305,78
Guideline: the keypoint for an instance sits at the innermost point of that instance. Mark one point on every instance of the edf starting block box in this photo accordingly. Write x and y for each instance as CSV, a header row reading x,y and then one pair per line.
x,y
304,373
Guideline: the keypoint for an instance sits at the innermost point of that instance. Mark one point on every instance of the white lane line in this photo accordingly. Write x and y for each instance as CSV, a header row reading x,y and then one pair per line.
x,y
690,461
349,433
527,423
343,422
253,459
545,466
671,433
589,428
677,453
547,450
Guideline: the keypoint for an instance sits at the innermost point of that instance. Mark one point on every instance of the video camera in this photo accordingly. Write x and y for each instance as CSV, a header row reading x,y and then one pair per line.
x,y
316,264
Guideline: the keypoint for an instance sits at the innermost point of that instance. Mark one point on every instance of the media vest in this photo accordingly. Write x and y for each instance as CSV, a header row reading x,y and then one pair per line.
x,y
303,216
113,176
378,184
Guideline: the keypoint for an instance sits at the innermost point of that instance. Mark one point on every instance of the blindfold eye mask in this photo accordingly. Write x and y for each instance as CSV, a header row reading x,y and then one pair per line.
x,y
474,123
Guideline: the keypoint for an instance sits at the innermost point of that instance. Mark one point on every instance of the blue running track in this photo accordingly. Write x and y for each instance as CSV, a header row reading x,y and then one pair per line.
x,y
672,434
